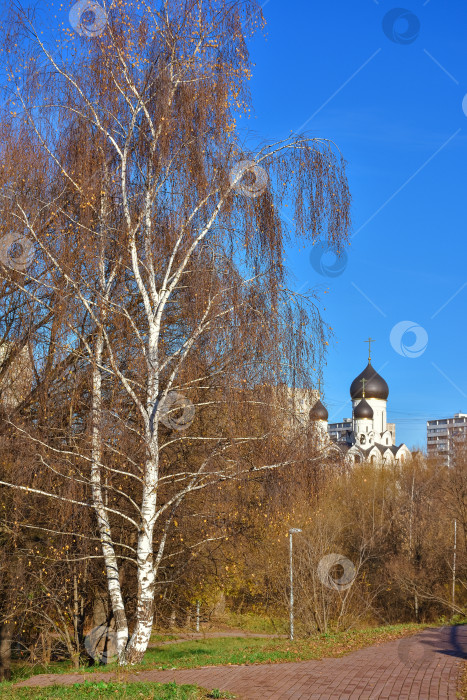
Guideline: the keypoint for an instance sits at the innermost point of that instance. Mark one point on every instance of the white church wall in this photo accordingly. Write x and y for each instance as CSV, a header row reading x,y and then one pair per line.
x,y
363,429
386,438
379,413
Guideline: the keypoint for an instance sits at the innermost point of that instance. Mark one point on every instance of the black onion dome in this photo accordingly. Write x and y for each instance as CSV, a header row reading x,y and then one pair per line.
x,y
363,410
375,386
318,412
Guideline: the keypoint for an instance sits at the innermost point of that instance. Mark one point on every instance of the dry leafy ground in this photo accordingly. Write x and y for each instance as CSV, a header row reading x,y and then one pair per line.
x,y
463,685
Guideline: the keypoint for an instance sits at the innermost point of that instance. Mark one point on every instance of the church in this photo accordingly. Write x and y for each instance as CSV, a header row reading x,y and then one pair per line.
x,y
367,436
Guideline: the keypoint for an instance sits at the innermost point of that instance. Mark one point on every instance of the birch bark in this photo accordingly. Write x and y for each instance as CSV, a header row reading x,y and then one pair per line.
x,y
108,550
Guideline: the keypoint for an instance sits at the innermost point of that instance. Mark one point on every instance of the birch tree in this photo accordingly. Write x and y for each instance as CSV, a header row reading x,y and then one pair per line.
x,y
156,229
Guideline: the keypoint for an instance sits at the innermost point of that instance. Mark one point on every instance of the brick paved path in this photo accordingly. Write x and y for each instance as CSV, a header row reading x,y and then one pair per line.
x,y
425,666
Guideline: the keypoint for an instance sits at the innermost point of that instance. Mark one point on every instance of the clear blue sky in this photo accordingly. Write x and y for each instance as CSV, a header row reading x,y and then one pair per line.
x,y
395,111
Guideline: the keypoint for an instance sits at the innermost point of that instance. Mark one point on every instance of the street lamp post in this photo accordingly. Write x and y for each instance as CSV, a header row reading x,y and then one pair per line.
x,y
292,531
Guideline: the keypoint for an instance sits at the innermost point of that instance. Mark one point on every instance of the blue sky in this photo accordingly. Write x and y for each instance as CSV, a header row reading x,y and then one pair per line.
x,y
395,111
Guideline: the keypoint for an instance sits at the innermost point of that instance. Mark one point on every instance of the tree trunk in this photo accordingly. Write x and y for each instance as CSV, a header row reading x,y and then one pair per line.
x,y
46,646
146,564
108,550
5,651
146,577
76,611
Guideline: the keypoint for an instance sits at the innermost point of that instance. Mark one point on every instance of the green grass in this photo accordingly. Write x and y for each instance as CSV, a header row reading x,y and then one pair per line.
x,y
261,624
237,650
92,691
162,637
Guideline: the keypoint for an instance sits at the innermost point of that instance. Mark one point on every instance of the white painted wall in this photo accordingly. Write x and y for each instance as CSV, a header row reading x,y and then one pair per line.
x,y
379,415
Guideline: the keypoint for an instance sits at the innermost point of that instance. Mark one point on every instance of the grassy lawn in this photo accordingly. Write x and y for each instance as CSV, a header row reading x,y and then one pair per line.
x,y
237,650
261,624
162,637
90,691
247,622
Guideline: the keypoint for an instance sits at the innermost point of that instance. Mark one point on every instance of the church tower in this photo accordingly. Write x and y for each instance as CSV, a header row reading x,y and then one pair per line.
x,y
318,417
363,416
366,437
370,387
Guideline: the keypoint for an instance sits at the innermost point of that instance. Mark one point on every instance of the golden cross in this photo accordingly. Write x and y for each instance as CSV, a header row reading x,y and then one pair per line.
x,y
363,381
369,341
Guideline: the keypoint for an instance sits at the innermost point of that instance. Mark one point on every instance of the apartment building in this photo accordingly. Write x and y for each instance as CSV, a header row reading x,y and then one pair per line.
x,y
441,434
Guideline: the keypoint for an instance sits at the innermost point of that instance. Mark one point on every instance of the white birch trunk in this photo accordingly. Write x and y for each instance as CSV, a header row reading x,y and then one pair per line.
x,y
111,565
146,576
145,558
